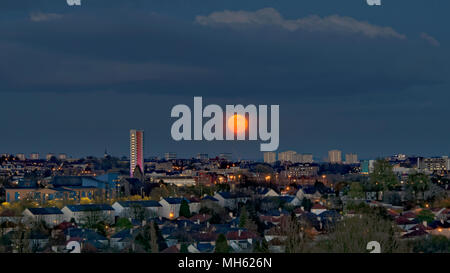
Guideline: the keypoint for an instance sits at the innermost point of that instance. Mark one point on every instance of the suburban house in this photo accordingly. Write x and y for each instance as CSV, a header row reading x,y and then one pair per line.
x,y
240,239
52,216
318,209
127,208
266,192
194,205
230,200
83,213
290,200
122,239
310,193
171,207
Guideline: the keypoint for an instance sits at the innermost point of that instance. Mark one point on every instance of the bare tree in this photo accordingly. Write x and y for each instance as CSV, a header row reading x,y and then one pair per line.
x,y
352,235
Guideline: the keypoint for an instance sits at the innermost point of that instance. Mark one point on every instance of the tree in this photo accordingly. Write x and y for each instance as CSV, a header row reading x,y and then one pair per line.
x,y
184,248
184,209
123,223
419,182
296,234
425,216
383,176
432,244
93,217
148,238
221,244
138,212
246,222
356,190
306,204
351,235
261,247
243,218
153,238
320,187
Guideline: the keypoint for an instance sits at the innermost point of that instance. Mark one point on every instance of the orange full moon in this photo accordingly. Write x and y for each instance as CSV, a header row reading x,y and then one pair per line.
x,y
237,123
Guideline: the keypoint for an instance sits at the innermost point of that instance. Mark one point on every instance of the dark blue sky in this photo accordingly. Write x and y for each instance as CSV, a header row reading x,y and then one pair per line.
x,y
368,80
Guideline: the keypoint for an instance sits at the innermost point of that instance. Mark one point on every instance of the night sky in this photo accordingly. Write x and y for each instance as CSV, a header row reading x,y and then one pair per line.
x,y
368,80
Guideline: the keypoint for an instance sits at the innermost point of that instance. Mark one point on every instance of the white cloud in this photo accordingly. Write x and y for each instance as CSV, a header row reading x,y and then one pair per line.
x,y
40,16
312,23
430,39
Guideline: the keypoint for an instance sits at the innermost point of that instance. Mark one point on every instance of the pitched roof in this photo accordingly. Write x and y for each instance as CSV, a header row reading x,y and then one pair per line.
x,y
415,233
401,220
172,249
230,195
45,211
175,200
125,233
145,204
208,197
244,235
201,217
409,214
89,207
318,206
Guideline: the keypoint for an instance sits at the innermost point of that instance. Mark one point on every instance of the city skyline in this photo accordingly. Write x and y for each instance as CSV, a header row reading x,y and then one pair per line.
x,y
174,155
377,88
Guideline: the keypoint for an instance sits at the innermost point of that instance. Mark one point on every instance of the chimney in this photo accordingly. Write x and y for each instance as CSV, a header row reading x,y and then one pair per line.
x,y
144,222
207,224
303,208
131,231
239,233
185,224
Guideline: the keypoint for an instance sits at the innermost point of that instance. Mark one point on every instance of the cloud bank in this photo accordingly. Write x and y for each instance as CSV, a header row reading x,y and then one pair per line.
x,y
430,39
41,17
312,23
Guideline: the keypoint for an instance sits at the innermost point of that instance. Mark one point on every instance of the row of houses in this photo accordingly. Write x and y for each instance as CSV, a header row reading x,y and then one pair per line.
x,y
167,207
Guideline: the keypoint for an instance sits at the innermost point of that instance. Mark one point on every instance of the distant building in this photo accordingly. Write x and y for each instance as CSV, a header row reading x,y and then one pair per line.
x,y
334,156
34,156
288,156
49,156
226,156
202,156
365,167
306,158
21,156
62,156
351,159
433,164
302,169
136,150
270,157
170,156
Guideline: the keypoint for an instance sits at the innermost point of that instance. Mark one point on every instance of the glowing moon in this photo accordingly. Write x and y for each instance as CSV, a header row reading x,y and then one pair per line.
x,y
237,123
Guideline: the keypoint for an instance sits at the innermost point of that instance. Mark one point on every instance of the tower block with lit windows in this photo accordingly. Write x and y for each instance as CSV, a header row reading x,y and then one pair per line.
x,y
136,151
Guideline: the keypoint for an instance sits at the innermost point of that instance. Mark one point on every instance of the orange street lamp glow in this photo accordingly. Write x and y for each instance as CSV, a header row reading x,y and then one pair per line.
x,y
171,215
237,123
